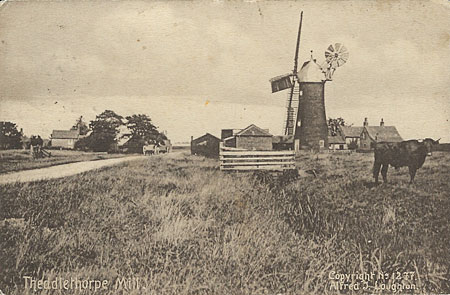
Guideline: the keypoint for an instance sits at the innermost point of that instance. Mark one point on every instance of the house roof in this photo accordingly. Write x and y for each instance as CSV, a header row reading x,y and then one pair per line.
x,y
283,139
65,134
253,130
383,133
337,139
351,131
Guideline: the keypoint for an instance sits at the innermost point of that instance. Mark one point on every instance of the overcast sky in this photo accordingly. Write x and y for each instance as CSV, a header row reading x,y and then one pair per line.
x,y
197,67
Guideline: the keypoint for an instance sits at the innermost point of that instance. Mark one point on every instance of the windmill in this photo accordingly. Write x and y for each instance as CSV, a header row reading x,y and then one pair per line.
x,y
308,124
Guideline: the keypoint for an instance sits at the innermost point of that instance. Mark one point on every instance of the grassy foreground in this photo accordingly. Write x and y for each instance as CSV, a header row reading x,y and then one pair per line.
x,y
17,160
184,227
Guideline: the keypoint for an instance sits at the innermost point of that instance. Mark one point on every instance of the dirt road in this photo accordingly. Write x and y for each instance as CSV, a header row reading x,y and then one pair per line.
x,y
61,170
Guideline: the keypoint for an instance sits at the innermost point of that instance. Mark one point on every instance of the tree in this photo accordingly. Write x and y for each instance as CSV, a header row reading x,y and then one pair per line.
x,y
81,126
10,137
104,128
333,125
142,132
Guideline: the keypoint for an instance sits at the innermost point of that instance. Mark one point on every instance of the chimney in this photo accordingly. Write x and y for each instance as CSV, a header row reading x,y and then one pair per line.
x,y
366,123
381,122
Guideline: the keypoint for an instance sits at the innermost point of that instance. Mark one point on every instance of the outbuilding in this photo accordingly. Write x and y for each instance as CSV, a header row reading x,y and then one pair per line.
x,y
207,145
64,138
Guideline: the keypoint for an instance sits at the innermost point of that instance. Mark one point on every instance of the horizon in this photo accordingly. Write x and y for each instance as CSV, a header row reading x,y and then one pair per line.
x,y
198,67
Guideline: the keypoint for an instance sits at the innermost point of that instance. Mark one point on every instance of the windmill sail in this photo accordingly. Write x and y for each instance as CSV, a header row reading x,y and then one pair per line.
x,y
285,82
281,82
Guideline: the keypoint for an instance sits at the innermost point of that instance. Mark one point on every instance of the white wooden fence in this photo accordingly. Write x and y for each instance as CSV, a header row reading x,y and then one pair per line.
x,y
244,160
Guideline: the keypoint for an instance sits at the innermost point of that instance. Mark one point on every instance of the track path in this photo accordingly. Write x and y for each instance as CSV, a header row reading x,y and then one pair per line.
x,y
63,170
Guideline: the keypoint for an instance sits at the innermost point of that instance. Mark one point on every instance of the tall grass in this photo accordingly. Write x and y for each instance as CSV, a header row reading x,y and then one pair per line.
x,y
184,227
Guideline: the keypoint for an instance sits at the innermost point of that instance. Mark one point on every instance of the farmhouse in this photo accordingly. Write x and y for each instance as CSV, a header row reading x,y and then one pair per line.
x,y
372,134
206,145
64,138
250,138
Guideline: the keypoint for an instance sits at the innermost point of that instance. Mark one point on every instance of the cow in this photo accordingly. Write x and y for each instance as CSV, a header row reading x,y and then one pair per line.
x,y
411,153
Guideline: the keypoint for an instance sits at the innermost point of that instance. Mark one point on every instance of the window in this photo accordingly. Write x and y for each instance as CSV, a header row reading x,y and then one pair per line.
x,y
341,146
321,143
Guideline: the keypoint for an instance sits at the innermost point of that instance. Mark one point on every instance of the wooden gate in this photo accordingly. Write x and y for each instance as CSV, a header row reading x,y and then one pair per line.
x,y
243,160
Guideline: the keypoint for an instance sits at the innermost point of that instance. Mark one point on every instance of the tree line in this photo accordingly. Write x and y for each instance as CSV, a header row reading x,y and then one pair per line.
x,y
101,135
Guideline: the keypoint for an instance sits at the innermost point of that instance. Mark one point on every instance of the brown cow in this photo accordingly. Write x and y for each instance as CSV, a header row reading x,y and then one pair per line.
x,y
411,153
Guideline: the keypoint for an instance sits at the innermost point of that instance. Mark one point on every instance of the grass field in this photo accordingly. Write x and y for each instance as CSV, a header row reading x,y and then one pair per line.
x,y
17,160
184,227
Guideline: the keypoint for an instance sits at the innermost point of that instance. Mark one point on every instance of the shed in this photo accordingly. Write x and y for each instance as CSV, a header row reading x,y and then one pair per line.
x,y
206,145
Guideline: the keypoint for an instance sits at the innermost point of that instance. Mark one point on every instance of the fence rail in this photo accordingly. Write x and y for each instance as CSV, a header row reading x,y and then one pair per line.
x,y
242,160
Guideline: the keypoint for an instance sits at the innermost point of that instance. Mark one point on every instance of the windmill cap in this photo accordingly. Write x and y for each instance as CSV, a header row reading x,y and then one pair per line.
x,y
311,72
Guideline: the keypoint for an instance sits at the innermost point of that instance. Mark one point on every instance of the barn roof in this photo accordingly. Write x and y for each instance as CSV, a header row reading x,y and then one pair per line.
x,y
253,130
352,131
383,133
65,134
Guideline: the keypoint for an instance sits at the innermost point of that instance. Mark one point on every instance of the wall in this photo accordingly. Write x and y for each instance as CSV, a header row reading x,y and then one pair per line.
x,y
63,143
365,141
260,143
338,146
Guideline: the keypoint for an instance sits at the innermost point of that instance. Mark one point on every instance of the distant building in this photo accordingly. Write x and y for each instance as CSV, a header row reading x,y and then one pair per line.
x,y
250,138
283,142
337,142
373,134
64,138
227,133
351,135
207,145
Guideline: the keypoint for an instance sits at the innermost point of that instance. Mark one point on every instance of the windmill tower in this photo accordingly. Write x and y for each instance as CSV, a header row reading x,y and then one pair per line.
x,y
308,122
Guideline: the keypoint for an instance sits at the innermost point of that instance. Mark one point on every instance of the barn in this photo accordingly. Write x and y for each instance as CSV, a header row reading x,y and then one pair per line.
x,y
64,138
206,145
250,138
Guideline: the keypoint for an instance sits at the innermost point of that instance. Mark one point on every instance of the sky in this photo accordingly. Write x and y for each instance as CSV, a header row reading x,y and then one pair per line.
x,y
201,66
